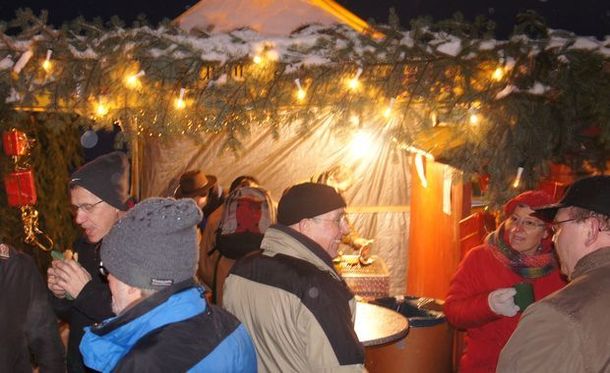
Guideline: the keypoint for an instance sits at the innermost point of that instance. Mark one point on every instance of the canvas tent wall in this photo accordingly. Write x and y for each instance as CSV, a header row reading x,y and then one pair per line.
x,y
378,198
268,17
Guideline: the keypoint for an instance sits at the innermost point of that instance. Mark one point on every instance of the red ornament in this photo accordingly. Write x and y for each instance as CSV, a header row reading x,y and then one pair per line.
x,y
484,182
20,188
15,142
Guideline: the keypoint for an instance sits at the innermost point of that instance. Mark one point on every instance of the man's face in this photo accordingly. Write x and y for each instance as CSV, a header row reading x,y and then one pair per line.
x,y
93,215
327,229
201,201
568,239
122,294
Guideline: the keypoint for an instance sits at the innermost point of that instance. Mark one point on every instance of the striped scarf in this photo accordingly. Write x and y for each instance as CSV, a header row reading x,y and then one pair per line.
x,y
527,266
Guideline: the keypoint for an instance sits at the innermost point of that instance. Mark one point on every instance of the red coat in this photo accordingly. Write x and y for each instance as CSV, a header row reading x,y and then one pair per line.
x,y
479,273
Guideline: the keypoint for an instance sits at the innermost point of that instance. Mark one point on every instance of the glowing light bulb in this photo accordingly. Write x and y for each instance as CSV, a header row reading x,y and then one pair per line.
x,y
257,59
518,177
47,65
498,74
101,108
301,94
474,119
300,91
363,146
133,80
180,103
387,113
354,83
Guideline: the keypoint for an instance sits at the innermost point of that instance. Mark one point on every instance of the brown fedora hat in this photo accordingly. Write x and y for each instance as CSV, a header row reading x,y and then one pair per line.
x,y
194,183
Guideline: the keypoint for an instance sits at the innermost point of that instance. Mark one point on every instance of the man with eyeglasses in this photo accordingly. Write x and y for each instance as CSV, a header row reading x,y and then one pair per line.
x,y
297,308
99,197
568,331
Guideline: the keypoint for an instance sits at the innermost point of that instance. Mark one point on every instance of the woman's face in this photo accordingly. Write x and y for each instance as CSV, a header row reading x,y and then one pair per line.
x,y
525,232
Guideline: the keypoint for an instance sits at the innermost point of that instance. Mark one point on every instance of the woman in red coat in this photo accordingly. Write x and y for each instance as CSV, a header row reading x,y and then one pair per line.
x,y
480,298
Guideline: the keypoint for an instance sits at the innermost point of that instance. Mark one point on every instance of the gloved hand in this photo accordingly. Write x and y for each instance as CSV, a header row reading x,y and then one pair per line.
x,y
501,301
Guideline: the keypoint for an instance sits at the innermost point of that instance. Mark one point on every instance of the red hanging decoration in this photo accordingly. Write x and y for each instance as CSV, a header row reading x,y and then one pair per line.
x,y
15,143
20,188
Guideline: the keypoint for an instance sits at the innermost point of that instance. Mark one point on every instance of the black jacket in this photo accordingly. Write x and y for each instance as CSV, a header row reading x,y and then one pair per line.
x,y
27,322
93,304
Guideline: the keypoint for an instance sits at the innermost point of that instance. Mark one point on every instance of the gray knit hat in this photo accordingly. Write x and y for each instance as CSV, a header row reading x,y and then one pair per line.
x,y
155,244
107,176
307,200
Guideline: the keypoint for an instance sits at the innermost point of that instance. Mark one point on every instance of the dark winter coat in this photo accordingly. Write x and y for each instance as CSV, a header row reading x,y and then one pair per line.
x,y
93,304
27,323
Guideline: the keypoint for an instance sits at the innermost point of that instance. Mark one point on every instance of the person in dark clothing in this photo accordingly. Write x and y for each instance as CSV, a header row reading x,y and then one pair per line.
x,y
163,322
204,190
27,324
99,197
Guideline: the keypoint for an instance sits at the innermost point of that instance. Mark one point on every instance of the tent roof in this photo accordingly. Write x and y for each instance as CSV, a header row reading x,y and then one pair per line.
x,y
269,17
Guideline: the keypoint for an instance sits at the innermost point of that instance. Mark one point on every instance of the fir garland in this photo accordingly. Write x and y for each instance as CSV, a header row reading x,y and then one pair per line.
x,y
479,104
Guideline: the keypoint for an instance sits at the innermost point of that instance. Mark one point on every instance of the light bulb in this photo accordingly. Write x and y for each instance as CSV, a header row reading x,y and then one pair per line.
x,y
47,65
353,84
133,80
300,91
301,94
387,113
498,74
474,119
180,103
101,109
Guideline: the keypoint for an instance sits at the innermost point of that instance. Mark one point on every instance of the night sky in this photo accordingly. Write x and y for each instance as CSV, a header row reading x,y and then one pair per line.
x,y
584,17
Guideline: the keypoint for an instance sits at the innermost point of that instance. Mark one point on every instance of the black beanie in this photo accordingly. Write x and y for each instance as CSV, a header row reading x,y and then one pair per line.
x,y
155,244
307,200
107,176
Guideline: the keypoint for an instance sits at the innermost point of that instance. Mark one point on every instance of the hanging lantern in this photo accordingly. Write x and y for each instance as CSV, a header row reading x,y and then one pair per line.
x,y
20,188
15,143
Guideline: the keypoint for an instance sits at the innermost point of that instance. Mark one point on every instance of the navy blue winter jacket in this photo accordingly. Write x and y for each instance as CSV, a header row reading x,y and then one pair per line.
x,y
174,330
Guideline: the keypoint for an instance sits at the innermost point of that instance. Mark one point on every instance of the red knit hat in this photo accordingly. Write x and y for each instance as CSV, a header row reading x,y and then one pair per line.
x,y
531,198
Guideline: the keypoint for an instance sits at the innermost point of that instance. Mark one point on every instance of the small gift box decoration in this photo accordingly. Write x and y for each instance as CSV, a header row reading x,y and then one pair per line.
x,y
20,188
15,143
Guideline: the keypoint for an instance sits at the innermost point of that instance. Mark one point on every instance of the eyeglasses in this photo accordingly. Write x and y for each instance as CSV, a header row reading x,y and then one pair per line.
x,y
557,224
86,207
338,220
526,224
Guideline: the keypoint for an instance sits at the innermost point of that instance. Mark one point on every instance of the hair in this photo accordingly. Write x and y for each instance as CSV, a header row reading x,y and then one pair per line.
x,y
216,198
243,180
581,214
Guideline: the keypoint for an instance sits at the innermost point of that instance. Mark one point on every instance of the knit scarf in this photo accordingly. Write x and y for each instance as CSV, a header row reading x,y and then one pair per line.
x,y
527,266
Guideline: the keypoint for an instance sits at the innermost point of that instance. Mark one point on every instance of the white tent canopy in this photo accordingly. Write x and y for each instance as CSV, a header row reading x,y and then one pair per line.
x,y
268,17
378,197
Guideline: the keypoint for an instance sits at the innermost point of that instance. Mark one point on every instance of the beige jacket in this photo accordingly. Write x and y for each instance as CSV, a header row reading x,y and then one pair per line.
x,y
568,331
298,310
